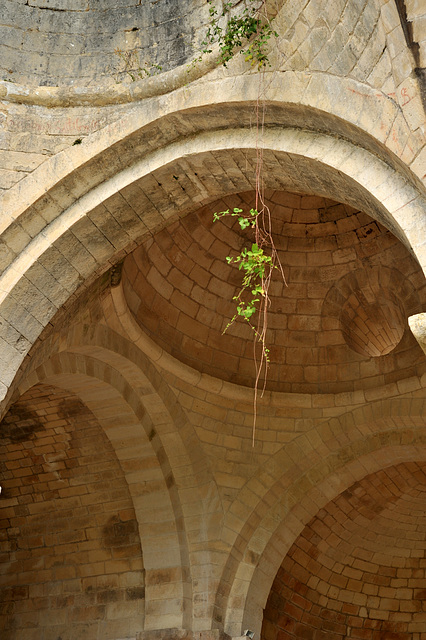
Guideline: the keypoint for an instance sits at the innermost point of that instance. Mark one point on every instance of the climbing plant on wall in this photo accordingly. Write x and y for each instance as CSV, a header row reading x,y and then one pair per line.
x,y
247,32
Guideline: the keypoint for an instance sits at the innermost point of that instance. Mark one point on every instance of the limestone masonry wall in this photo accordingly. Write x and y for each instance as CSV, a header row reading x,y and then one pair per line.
x,y
146,493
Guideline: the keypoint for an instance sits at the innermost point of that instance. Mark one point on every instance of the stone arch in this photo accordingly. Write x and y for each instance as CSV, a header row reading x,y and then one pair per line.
x,y
118,365
337,483
107,392
332,167
356,568
359,443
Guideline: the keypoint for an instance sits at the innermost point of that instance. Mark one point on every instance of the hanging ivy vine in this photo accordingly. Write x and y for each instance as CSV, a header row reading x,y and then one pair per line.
x,y
257,262
249,33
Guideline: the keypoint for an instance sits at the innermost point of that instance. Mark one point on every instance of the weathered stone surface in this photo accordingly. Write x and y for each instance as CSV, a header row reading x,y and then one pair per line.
x,y
67,42
140,497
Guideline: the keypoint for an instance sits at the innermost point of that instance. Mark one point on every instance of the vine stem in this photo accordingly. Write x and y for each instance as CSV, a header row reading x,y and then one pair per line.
x,y
259,263
263,236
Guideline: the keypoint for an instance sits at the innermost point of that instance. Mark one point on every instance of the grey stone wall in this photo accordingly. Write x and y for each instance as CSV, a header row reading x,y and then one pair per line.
x,y
66,42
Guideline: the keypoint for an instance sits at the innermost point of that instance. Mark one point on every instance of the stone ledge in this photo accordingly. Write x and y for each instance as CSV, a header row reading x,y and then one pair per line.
x,y
116,94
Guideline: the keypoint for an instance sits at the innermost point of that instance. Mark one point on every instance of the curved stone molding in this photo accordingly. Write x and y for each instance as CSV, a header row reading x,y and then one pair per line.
x,y
235,392
157,85
293,99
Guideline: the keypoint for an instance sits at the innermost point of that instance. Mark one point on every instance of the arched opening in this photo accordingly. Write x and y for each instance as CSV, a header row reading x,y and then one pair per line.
x,y
158,452
109,384
72,556
340,453
357,568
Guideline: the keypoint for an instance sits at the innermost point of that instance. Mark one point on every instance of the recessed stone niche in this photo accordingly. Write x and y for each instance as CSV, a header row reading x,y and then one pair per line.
x,y
372,322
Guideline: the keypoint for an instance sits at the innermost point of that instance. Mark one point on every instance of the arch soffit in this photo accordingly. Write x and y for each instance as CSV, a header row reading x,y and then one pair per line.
x,y
317,466
252,585
372,185
352,175
136,373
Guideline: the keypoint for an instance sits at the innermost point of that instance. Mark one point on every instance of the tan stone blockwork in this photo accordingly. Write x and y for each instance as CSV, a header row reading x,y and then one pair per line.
x,y
67,519
114,293
238,506
349,565
80,255
163,537
316,339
